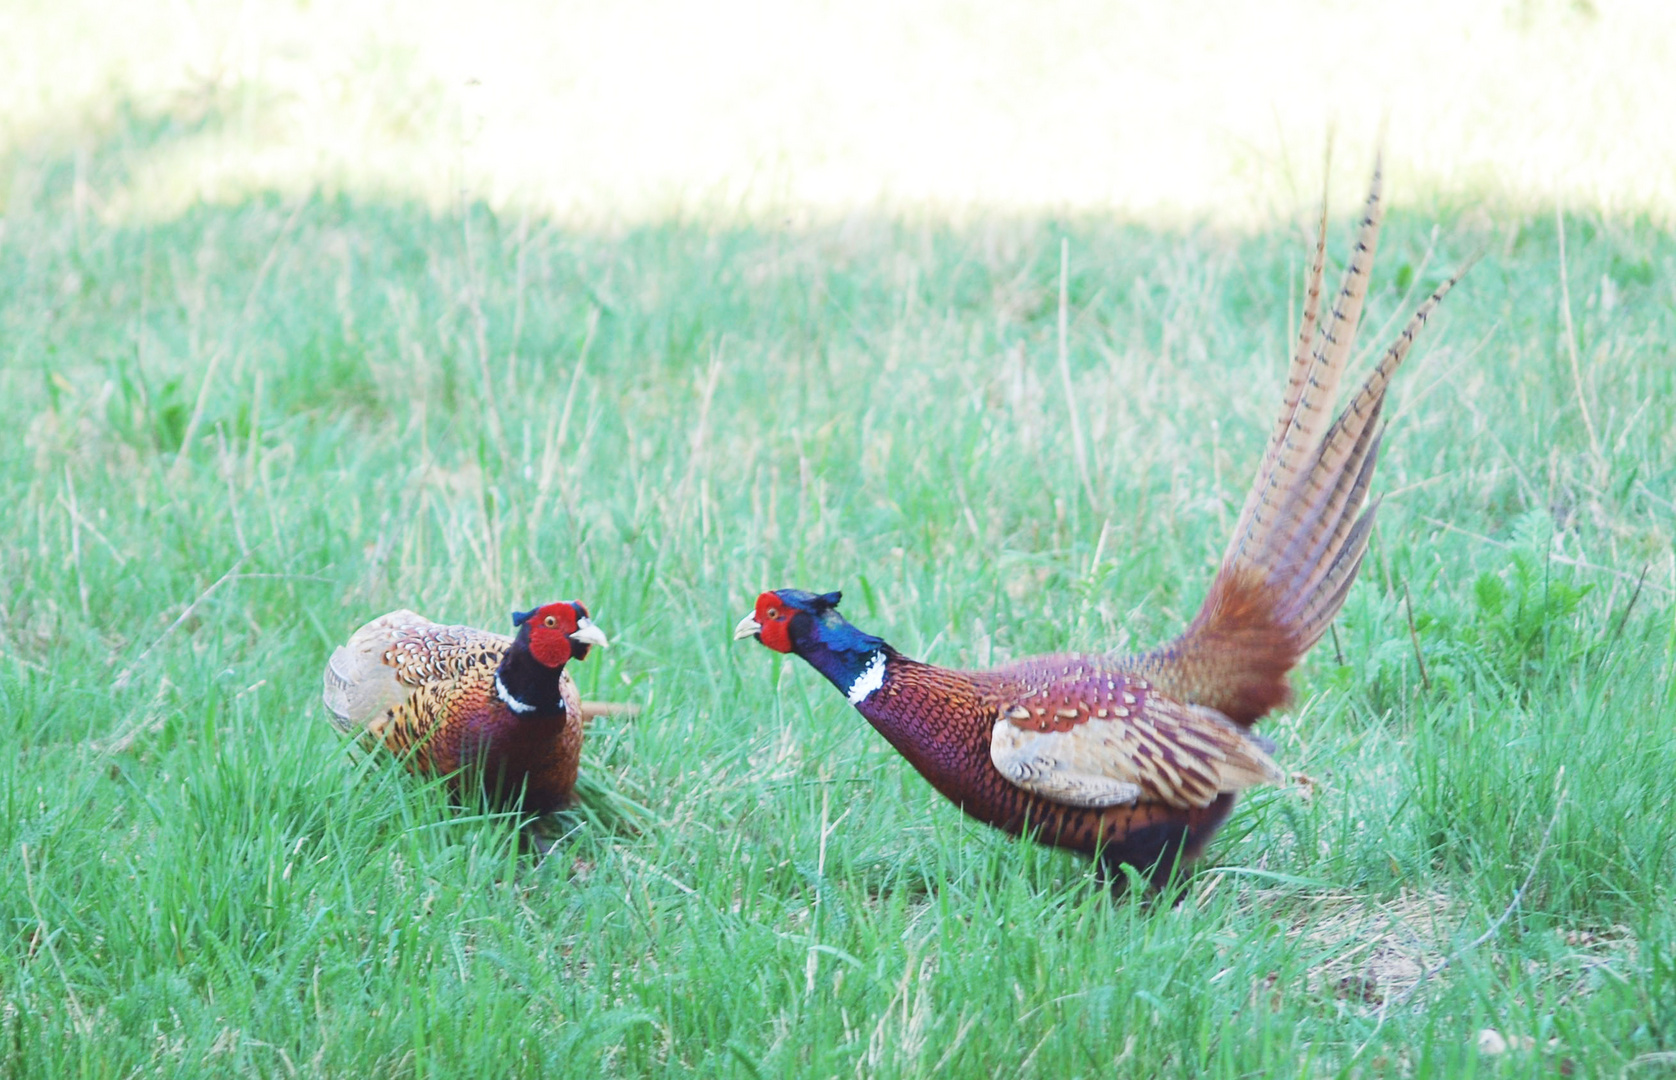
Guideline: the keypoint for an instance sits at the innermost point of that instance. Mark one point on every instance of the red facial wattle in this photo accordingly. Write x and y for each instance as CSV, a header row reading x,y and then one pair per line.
x,y
550,630
774,617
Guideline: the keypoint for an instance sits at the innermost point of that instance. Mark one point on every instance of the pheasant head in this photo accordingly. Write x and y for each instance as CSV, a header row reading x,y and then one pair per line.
x,y
808,624
556,633
548,637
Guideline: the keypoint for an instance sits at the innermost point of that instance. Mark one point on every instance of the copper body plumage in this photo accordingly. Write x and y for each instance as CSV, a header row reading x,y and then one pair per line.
x,y
437,696
1140,758
1180,766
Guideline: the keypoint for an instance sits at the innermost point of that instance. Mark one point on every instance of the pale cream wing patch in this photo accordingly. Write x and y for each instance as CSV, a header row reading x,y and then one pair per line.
x,y
1042,765
1180,755
390,657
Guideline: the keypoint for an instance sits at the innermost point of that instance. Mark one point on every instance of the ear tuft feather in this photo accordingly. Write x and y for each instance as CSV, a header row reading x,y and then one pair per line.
x,y
519,618
827,601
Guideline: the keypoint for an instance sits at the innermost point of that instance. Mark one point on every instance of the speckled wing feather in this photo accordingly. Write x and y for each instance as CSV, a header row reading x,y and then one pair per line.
x,y
1098,738
401,675
1301,535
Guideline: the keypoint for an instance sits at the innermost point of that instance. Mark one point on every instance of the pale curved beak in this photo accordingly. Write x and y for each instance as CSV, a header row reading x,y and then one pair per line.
x,y
588,634
748,627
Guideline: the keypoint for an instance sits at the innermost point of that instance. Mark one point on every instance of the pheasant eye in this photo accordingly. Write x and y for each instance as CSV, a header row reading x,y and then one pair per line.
x,y
773,613
549,622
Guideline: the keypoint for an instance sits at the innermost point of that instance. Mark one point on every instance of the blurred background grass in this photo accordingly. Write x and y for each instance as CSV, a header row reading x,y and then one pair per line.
x,y
603,113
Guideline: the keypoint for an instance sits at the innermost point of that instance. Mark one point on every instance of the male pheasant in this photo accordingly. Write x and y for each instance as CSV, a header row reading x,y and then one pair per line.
x,y
1138,759
453,698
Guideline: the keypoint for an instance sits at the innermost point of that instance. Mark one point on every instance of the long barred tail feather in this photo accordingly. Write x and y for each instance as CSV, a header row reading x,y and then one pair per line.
x,y
1302,534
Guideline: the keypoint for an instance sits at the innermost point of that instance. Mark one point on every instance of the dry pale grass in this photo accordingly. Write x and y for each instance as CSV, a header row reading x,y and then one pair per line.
x,y
642,109
1375,953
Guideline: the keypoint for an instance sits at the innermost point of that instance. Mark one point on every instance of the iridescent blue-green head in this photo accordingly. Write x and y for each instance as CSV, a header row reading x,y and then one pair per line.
x,y
808,624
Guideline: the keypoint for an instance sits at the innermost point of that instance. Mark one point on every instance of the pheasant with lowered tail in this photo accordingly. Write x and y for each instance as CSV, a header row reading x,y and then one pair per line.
x,y
461,702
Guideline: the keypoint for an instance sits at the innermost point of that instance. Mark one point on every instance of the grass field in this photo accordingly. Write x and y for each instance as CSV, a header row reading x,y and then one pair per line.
x,y
240,430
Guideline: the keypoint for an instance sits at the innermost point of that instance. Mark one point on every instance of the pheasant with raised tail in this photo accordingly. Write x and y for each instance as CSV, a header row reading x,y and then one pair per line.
x,y
1139,759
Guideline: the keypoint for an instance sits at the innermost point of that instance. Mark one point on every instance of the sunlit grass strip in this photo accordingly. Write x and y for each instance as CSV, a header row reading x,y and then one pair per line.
x,y
642,111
